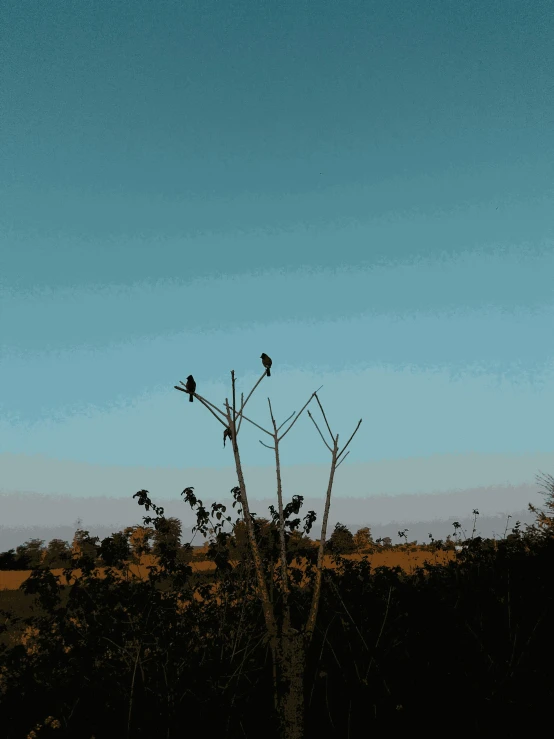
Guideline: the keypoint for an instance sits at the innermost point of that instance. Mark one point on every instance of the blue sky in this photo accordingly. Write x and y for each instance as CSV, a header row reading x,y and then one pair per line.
x,y
362,190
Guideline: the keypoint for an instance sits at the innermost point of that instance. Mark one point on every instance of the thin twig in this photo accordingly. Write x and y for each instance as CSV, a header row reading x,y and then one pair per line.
x,y
132,691
242,406
234,401
282,542
288,419
348,613
310,625
255,424
384,619
205,403
248,397
210,404
342,460
266,445
298,416
325,417
321,653
271,412
317,427
350,439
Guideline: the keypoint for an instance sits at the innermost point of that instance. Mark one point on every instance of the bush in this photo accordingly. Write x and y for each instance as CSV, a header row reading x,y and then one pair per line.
x,y
57,554
115,549
31,553
11,561
341,541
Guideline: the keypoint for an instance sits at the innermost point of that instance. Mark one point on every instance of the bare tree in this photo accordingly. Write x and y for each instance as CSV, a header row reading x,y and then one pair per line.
x,y
288,645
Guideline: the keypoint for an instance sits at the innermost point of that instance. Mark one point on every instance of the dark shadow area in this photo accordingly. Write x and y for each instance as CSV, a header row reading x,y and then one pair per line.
x,y
121,656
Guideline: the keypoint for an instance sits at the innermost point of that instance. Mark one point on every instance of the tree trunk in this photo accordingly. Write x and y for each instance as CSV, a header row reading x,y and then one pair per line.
x,y
292,661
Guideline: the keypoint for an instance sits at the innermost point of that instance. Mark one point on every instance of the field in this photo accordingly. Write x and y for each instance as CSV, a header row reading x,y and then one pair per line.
x,y
408,561
20,604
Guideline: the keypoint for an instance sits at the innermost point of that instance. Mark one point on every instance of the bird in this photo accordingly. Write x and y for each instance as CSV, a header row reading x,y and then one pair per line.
x,y
266,361
226,435
191,387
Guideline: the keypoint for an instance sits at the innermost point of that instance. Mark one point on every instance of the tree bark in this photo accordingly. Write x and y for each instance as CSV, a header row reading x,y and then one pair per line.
x,y
292,661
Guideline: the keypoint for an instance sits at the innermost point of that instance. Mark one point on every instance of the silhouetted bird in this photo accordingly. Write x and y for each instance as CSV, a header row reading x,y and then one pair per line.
x,y
266,361
226,435
190,386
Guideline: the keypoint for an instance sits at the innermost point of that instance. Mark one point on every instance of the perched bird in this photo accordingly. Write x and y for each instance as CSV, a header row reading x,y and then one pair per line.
x,y
191,387
226,435
266,361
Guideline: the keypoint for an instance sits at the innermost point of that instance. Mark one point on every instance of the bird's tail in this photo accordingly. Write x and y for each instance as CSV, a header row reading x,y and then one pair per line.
x,y
268,372
190,398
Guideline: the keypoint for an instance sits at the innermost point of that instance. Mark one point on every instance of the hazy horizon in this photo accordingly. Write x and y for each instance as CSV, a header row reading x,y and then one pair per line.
x,y
395,494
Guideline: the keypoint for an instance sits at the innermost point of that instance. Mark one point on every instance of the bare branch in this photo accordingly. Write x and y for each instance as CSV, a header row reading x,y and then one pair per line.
x,y
298,416
317,427
310,624
200,397
207,405
266,445
288,419
212,406
325,417
234,402
342,460
271,413
350,439
282,542
242,406
250,393
228,422
257,426
267,606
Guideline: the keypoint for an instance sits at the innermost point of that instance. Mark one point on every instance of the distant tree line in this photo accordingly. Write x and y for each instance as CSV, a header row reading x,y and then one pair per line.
x,y
134,541
127,545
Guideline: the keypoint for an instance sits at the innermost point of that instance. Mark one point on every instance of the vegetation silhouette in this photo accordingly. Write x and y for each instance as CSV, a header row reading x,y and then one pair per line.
x,y
123,656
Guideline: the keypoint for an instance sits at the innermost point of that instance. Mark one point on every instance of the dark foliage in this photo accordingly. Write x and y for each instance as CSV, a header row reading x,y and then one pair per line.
x,y
115,549
468,642
11,561
341,541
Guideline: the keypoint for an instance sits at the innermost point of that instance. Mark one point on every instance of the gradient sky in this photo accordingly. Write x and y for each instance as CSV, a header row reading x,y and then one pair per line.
x,y
363,190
